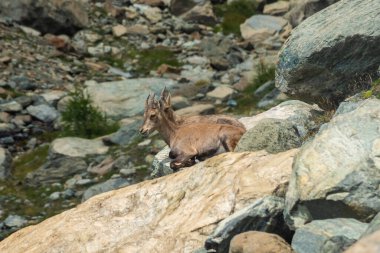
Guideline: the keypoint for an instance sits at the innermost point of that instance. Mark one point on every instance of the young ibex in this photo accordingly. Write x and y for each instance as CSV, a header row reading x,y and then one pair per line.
x,y
220,119
190,141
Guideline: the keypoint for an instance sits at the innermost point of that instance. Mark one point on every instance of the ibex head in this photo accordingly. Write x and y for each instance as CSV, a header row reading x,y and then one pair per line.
x,y
151,115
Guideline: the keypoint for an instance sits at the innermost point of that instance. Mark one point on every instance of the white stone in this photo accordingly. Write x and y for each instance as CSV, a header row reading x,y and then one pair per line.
x,y
77,147
222,92
119,30
276,8
12,106
260,27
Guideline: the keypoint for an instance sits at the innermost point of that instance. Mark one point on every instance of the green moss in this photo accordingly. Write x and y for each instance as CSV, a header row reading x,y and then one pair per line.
x,y
201,83
113,60
234,14
367,94
151,59
29,162
50,136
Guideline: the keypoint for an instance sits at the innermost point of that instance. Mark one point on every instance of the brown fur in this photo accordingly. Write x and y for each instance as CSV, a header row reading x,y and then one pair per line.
x,y
189,141
219,119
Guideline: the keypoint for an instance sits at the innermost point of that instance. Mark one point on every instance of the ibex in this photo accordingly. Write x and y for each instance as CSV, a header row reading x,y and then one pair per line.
x,y
220,119
189,141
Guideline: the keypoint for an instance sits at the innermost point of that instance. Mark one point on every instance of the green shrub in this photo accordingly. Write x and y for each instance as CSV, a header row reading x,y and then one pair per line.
x,y
82,119
234,14
247,99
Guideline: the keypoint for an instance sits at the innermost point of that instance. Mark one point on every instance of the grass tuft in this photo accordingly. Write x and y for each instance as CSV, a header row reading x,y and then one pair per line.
x,y
234,14
247,99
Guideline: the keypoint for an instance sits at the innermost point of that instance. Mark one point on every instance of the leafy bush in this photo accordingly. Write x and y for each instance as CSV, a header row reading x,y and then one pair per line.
x,y
234,14
82,119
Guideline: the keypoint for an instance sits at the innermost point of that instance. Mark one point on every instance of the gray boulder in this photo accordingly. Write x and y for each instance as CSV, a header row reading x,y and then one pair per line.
x,y
273,135
337,174
263,215
11,106
47,16
325,236
373,226
5,163
125,135
302,9
161,163
67,157
15,221
318,62
56,170
300,113
123,99
43,112
109,185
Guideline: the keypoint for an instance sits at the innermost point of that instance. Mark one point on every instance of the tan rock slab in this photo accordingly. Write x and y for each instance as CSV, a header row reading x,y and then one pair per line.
x,y
276,8
173,214
367,244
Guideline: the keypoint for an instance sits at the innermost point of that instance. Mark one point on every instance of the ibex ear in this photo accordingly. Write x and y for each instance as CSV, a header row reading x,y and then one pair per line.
x,y
168,102
165,96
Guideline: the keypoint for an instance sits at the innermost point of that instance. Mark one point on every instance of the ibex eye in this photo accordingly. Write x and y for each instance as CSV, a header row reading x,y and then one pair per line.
x,y
152,116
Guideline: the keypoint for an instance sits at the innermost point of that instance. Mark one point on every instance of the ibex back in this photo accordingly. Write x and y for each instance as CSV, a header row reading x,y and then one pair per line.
x,y
165,99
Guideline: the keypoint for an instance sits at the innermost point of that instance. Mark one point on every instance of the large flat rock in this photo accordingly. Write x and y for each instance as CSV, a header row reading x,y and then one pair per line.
x,y
337,174
173,214
122,99
77,147
47,16
327,55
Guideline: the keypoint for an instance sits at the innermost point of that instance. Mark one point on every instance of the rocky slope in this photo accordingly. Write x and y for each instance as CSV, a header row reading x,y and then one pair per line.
x,y
305,179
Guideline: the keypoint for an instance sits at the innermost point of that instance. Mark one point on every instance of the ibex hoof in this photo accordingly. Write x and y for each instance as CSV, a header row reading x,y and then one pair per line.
x,y
175,166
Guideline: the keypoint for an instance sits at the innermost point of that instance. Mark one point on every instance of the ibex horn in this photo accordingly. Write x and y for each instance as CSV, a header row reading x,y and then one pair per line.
x,y
164,93
147,101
